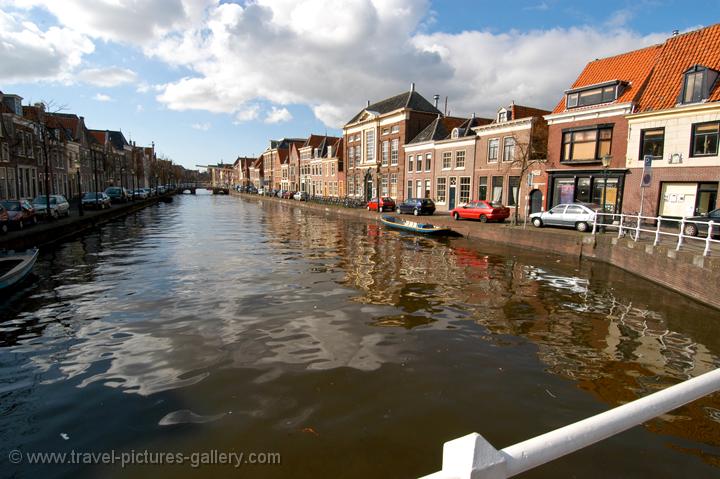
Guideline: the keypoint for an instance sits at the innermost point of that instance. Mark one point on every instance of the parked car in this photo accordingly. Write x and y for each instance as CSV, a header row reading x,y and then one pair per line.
x,y
693,229
385,204
288,195
301,196
481,210
252,189
118,194
59,206
97,200
20,213
4,220
575,215
140,194
416,206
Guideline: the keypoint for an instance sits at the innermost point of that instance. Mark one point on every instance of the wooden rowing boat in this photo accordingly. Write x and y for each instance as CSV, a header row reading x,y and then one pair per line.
x,y
413,227
15,266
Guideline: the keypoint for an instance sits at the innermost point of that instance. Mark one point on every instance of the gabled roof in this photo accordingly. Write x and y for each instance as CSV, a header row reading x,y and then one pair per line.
x,y
632,68
411,100
439,129
680,53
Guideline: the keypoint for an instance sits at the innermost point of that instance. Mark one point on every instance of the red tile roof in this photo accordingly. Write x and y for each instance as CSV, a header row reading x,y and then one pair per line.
x,y
679,53
632,67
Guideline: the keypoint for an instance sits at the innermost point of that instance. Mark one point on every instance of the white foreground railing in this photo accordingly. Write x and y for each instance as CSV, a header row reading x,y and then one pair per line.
x,y
472,457
635,225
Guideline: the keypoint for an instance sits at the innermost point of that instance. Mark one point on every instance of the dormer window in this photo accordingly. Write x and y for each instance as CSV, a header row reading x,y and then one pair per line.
x,y
697,83
502,115
455,133
594,95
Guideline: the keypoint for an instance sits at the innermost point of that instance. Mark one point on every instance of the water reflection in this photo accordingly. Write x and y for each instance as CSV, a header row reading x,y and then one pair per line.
x,y
230,314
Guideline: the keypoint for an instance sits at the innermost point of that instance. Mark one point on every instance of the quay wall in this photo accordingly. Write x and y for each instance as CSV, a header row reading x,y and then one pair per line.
x,y
685,272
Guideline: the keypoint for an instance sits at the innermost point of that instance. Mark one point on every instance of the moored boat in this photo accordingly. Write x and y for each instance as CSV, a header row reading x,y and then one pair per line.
x,y
414,227
15,266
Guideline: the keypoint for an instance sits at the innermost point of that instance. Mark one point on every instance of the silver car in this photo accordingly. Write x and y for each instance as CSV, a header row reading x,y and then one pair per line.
x,y
59,206
576,215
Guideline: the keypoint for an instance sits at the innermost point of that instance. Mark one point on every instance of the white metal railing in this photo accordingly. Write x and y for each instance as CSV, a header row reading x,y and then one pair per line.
x,y
472,457
656,228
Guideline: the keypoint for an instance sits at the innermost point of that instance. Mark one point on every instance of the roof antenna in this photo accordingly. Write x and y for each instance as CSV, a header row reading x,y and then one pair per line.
x,y
412,87
446,98
676,33
436,97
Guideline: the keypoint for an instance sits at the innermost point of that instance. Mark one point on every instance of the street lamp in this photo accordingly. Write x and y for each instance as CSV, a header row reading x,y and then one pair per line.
x,y
606,164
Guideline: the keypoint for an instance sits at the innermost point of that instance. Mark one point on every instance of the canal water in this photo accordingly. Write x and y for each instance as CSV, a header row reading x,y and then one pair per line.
x,y
248,326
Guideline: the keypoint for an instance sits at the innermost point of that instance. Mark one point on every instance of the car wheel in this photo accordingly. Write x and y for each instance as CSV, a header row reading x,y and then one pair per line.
x,y
690,230
21,225
537,222
483,219
4,228
398,211
416,212
581,226
456,216
55,215
34,220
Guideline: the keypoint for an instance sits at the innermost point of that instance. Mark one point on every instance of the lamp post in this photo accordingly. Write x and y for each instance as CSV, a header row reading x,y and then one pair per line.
x,y
606,164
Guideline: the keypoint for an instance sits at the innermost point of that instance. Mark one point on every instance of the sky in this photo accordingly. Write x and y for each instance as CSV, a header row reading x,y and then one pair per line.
x,y
208,81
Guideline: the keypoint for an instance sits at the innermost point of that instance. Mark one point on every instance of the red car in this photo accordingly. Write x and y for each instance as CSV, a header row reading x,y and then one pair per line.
x,y
4,220
386,204
481,210
20,213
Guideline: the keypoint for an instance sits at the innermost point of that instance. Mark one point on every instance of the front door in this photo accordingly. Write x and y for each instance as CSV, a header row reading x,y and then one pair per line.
x,y
535,201
451,196
419,189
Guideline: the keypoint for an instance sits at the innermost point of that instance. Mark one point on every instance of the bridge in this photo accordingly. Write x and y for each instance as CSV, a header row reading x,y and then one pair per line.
x,y
204,185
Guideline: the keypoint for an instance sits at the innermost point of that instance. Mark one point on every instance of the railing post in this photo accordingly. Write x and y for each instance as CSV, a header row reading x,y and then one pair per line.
x,y
708,239
620,226
637,228
594,229
680,235
657,231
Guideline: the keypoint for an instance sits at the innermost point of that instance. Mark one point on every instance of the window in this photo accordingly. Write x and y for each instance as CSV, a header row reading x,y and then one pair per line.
x,y
651,143
385,131
509,149
447,158
370,146
394,149
464,189
410,163
358,154
502,116
586,145
427,188
408,193
514,188
455,133
697,84
5,155
384,185
385,152
3,184
460,159
493,147
393,184
497,189
440,190
482,188
395,129
418,163
705,139
428,161
593,96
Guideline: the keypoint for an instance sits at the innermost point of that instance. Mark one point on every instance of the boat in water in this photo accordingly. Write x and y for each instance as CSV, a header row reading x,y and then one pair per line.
x,y
14,267
414,227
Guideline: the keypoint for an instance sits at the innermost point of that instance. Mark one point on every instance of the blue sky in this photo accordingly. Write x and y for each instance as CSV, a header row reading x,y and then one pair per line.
x,y
209,81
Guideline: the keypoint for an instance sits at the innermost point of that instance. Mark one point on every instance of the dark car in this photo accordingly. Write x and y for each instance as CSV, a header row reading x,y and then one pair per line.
x,y
416,206
702,225
97,200
4,220
20,213
384,204
119,195
481,210
288,195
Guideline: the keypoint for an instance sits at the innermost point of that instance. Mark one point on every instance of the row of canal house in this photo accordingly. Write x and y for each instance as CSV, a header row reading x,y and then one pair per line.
x,y
95,158
661,102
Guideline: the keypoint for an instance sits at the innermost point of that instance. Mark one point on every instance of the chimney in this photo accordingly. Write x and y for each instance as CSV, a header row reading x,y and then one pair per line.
x,y
412,87
368,104
436,97
676,33
473,116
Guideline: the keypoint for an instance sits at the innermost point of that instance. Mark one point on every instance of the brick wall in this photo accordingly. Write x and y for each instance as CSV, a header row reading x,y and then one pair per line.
x,y
651,201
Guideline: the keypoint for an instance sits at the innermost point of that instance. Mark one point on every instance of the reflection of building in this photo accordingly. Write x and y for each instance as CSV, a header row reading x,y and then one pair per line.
x,y
589,123
678,124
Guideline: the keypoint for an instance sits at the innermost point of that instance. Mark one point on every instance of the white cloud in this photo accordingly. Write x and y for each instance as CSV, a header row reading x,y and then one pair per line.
x,y
248,113
28,53
102,97
202,126
278,115
139,108
107,77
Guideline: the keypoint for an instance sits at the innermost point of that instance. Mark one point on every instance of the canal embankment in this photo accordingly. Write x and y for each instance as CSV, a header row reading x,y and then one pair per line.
x,y
58,230
686,272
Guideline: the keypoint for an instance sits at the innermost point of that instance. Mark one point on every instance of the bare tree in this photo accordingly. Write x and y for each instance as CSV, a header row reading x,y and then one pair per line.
x,y
44,109
530,151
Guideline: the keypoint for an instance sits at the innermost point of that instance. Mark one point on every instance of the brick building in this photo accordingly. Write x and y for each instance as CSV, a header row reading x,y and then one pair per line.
x,y
374,138
277,154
